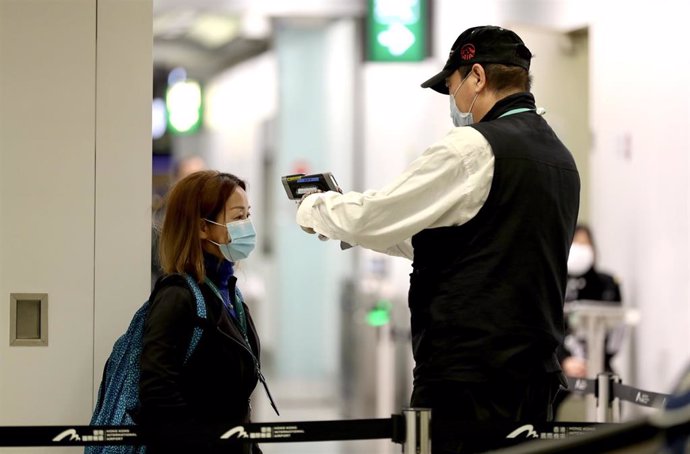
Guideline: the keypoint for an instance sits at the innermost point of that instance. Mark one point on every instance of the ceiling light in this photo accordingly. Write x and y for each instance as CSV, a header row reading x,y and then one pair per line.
x,y
213,30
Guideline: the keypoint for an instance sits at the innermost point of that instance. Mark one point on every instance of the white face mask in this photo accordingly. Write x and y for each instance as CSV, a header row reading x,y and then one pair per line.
x,y
581,259
242,240
461,118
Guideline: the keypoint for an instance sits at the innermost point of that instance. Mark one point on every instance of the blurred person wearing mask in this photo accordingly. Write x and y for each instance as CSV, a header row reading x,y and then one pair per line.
x,y
206,232
180,168
487,216
586,282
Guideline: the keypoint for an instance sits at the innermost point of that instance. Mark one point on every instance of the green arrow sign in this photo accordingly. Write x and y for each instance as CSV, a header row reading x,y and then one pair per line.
x,y
397,30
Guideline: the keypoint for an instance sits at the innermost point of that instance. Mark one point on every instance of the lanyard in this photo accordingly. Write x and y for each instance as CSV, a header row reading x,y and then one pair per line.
x,y
516,111
242,320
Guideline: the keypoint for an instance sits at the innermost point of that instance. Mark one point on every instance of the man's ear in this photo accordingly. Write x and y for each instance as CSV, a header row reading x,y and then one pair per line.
x,y
203,229
479,76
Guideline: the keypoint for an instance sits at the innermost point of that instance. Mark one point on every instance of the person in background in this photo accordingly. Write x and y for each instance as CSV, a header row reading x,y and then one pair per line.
x,y
181,167
487,216
186,166
586,282
206,232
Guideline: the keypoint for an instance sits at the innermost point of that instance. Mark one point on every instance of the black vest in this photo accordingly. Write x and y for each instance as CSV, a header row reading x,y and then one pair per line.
x,y
486,297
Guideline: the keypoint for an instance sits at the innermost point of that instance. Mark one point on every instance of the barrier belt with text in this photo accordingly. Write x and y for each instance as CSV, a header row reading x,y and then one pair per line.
x,y
308,431
300,431
623,392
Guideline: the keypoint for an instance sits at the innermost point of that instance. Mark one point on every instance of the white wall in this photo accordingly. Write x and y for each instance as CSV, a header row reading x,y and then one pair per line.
x,y
238,102
47,135
123,169
75,174
640,121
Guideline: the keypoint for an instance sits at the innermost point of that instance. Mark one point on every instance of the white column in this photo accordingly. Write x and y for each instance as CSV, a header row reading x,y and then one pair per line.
x,y
75,180
122,169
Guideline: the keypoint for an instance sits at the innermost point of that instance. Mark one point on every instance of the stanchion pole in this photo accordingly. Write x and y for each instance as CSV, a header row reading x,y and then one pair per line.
x,y
385,371
603,398
615,401
410,445
424,431
417,431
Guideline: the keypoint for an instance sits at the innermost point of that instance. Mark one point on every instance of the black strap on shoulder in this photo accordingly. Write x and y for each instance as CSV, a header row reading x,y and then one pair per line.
x,y
185,281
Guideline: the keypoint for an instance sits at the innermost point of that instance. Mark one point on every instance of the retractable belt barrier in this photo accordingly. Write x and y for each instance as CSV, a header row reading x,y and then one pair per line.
x,y
356,429
394,428
361,429
412,428
656,433
639,396
617,391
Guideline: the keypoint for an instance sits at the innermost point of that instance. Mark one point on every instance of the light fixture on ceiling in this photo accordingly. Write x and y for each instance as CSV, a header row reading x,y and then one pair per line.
x,y
173,24
213,30
208,29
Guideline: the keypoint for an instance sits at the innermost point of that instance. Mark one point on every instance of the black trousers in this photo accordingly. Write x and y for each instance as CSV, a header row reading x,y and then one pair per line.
x,y
498,400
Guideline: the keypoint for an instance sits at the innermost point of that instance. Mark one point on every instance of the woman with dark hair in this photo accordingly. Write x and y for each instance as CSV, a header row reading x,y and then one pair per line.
x,y
585,281
206,231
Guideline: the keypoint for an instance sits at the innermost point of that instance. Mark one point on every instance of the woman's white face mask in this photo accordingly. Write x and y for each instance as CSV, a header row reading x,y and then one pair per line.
x,y
580,259
242,238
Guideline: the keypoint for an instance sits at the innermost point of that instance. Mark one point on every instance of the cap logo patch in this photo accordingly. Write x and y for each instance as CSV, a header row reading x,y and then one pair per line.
x,y
467,52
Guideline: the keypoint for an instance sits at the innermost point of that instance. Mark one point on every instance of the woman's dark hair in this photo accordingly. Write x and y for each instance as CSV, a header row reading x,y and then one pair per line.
x,y
585,228
198,196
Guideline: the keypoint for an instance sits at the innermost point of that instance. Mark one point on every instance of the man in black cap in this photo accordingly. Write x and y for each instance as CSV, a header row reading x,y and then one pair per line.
x,y
487,215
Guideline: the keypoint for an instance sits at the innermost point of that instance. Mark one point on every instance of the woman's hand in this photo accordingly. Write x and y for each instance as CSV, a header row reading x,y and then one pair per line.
x,y
574,367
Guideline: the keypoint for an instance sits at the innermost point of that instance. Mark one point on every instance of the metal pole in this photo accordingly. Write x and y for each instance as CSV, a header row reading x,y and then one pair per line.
x,y
592,362
603,384
417,431
615,401
385,371
410,446
424,431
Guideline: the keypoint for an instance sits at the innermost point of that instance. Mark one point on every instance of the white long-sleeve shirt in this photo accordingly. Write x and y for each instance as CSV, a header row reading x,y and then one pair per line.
x,y
446,186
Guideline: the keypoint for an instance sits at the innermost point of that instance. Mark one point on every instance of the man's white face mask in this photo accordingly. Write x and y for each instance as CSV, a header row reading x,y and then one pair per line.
x,y
461,118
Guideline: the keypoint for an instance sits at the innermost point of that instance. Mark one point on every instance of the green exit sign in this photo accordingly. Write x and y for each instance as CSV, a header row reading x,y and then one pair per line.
x,y
397,30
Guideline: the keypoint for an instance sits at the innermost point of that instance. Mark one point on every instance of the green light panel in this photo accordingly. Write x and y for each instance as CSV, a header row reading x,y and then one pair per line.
x,y
396,30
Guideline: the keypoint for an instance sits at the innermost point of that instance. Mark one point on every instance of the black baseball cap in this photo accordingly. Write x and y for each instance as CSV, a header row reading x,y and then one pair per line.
x,y
485,44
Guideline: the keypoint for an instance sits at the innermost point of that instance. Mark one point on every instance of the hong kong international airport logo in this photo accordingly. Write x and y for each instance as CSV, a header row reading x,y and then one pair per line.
x,y
526,431
235,432
73,435
240,432
69,434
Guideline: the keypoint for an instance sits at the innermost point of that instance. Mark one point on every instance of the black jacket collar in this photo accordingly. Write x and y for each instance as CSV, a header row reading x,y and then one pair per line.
x,y
515,101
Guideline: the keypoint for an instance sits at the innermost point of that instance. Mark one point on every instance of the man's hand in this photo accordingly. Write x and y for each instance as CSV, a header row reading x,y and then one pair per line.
x,y
309,229
304,196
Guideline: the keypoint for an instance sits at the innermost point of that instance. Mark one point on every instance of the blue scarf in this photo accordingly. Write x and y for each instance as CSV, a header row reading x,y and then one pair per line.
x,y
219,271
